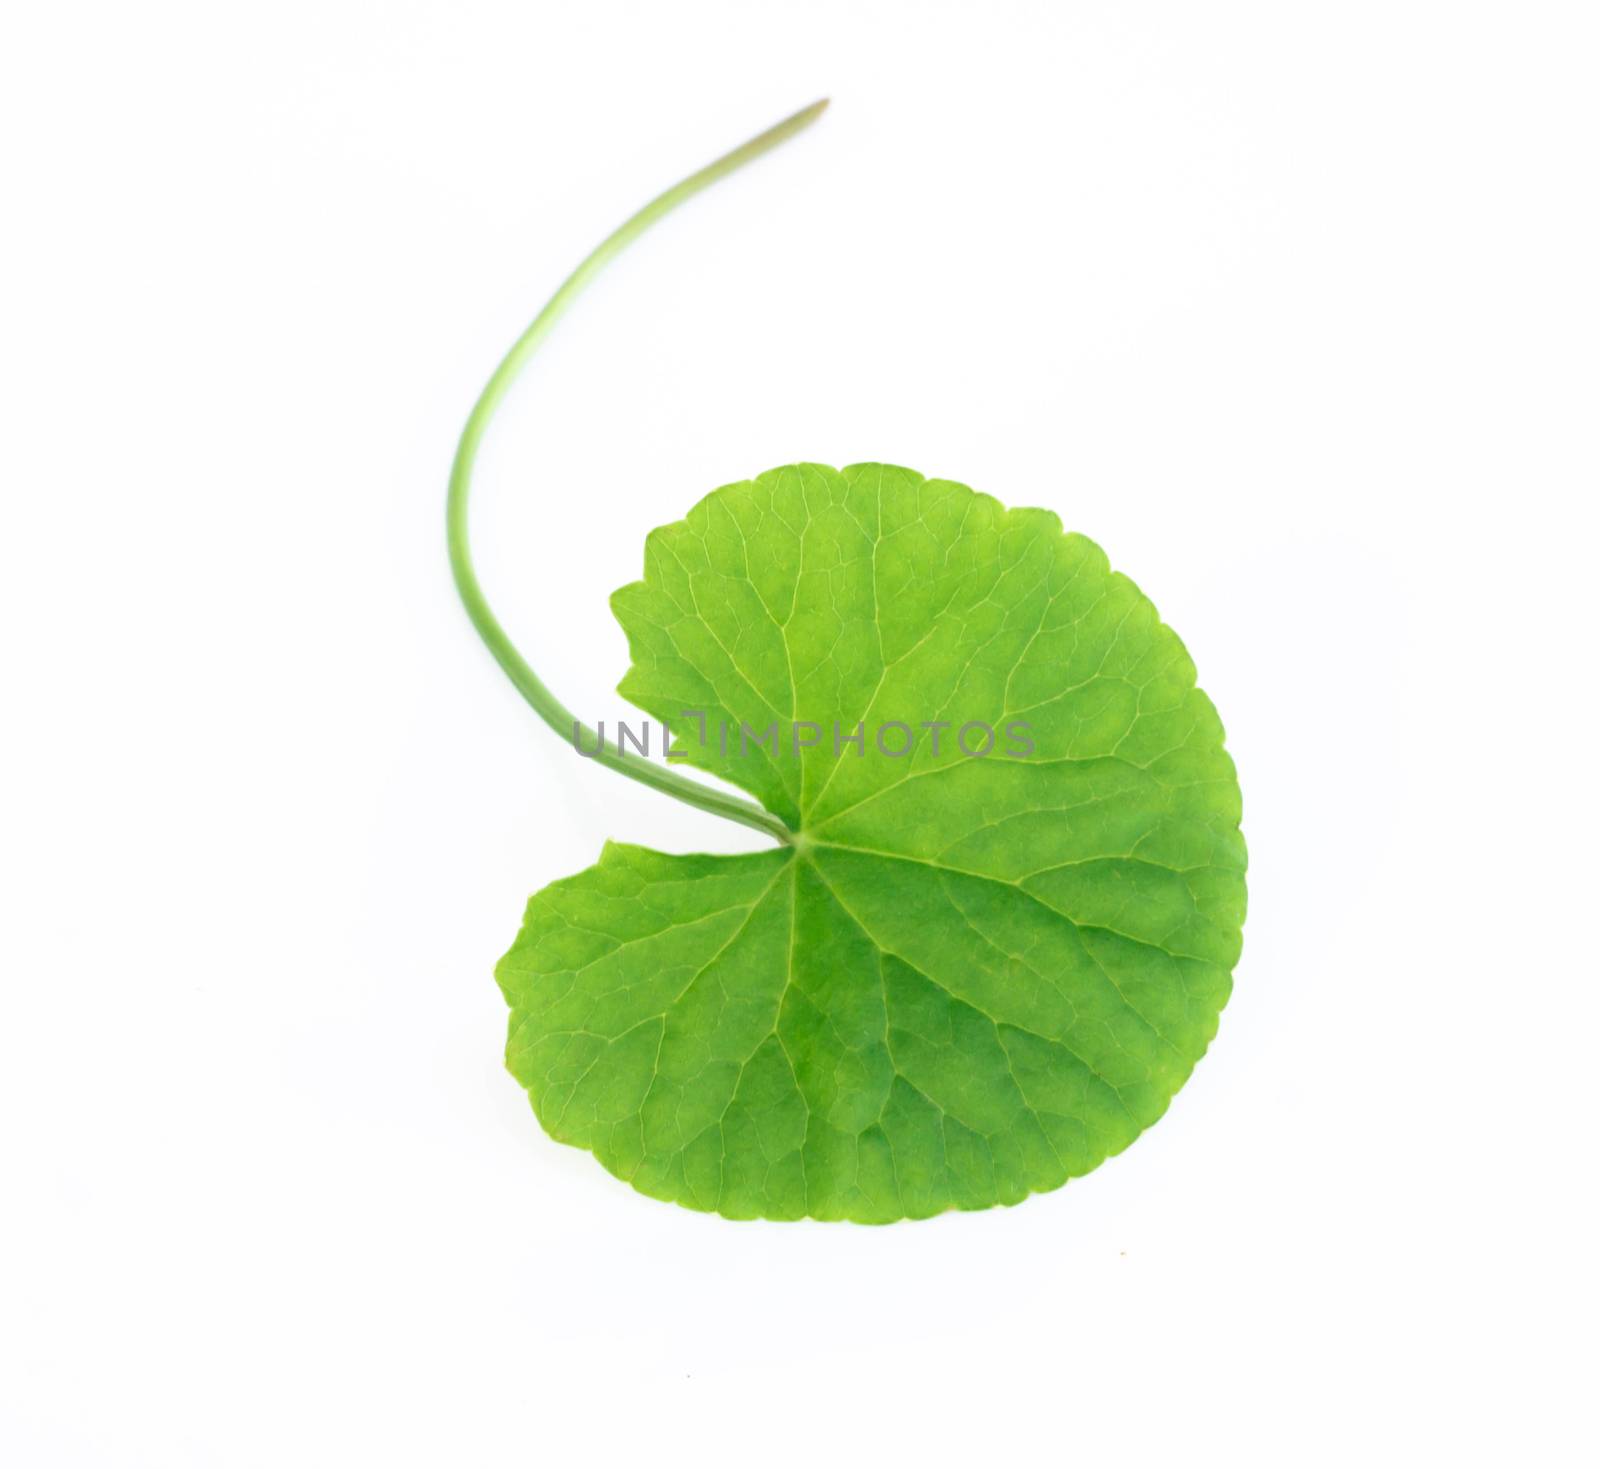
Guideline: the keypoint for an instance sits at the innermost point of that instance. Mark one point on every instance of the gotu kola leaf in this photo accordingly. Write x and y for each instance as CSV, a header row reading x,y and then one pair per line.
x,y
1003,913
971,976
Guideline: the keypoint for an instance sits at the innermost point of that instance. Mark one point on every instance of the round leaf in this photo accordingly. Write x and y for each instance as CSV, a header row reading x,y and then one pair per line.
x,y
1006,927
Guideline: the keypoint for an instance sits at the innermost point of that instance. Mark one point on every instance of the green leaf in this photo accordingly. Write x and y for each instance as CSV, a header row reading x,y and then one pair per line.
x,y
970,977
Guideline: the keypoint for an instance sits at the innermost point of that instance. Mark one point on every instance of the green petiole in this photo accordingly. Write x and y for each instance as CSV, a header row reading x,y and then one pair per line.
x,y
532,688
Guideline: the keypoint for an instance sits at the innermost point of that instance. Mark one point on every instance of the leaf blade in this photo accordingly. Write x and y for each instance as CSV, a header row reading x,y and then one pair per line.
x,y
975,975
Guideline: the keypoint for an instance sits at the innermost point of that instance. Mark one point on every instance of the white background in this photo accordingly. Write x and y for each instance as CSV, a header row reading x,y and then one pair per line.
x,y
1293,308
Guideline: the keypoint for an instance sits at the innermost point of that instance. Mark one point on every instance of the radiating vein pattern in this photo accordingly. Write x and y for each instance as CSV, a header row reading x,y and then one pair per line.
x,y
975,975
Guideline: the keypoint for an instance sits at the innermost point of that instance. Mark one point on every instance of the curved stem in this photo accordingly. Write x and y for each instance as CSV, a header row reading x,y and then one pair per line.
x,y
517,669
